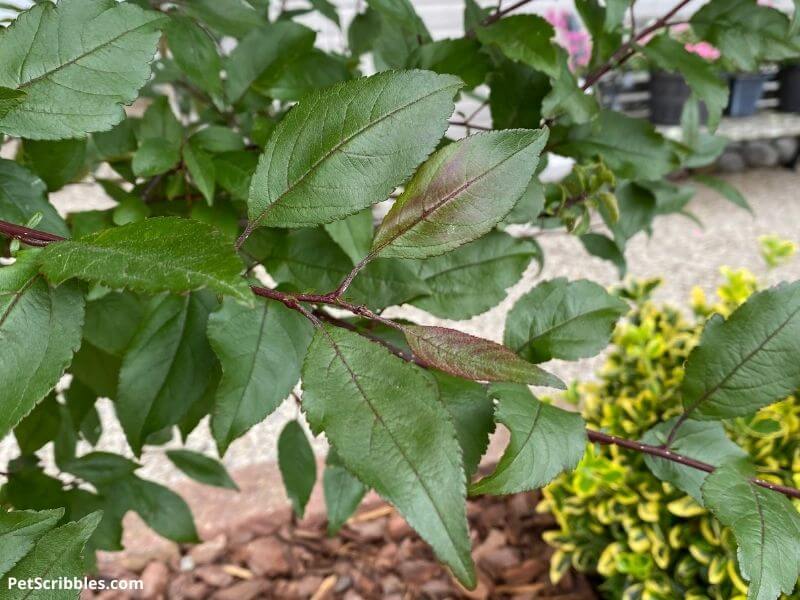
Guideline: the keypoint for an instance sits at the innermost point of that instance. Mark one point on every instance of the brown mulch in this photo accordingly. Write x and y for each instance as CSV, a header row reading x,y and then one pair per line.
x,y
376,555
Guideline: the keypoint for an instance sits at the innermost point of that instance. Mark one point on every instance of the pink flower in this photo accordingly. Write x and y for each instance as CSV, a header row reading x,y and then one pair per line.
x,y
703,50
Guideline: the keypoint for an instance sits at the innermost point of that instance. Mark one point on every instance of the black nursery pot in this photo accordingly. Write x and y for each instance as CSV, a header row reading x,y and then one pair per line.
x,y
746,90
789,90
668,95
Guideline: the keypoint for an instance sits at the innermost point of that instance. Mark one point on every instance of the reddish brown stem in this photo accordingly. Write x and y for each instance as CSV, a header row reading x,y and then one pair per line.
x,y
667,454
293,301
628,49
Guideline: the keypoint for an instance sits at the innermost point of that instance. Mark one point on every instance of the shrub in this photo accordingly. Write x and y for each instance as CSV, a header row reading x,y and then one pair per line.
x,y
643,536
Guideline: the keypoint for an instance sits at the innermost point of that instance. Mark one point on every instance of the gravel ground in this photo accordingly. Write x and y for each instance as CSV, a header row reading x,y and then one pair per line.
x,y
680,251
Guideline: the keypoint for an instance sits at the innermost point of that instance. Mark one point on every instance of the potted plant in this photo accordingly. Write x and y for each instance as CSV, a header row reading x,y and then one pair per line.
x,y
669,90
789,89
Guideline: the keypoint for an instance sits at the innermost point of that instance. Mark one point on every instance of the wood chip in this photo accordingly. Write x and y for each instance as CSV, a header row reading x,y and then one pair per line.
x,y
371,515
325,588
237,571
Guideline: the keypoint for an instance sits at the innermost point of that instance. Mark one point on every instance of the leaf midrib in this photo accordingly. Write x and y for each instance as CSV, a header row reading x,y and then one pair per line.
x,y
427,212
408,461
73,61
338,146
715,388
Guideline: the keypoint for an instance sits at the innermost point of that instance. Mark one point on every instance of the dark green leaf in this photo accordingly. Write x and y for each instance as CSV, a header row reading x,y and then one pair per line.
x,y
472,412
22,195
545,441
101,468
201,468
600,246
474,278
320,150
166,254
460,193
298,465
201,167
516,92
630,147
57,554
39,427
195,52
724,189
343,492
353,234
162,509
292,79
230,17
704,441
166,366
460,57
748,360
40,329
56,162
19,532
562,319
393,434
526,39
766,526
261,352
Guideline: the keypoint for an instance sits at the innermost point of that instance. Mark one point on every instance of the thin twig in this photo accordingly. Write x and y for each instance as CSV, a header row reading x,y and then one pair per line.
x,y
667,454
628,49
293,301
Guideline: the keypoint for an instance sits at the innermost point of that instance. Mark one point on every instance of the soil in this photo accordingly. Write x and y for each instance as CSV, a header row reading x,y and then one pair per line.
x,y
375,555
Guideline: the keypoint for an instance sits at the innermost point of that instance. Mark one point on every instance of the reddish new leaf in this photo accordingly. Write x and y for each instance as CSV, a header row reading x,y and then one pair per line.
x,y
471,357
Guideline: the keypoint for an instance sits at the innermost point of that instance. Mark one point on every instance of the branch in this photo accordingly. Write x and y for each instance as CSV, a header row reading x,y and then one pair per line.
x,y
628,49
667,454
34,237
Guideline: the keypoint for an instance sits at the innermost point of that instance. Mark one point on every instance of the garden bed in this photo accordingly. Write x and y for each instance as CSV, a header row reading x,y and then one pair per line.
x,y
375,555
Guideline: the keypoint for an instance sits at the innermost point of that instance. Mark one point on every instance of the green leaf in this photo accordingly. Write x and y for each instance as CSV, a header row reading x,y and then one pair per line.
x,y
56,162
353,234
217,139
201,167
308,260
195,52
202,468
526,39
229,17
545,441
471,357
267,47
748,360
766,526
562,319
343,492
101,468
165,368
515,95
321,151
567,97
261,352
9,99
22,195
79,84
600,246
326,9
615,13
19,532
40,426
57,554
393,434
402,13
364,30
745,32
704,441
166,254
474,278
154,157
297,464
630,147
472,412
460,194
40,329
292,78
111,321
460,57
636,206
724,189
162,509
701,75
